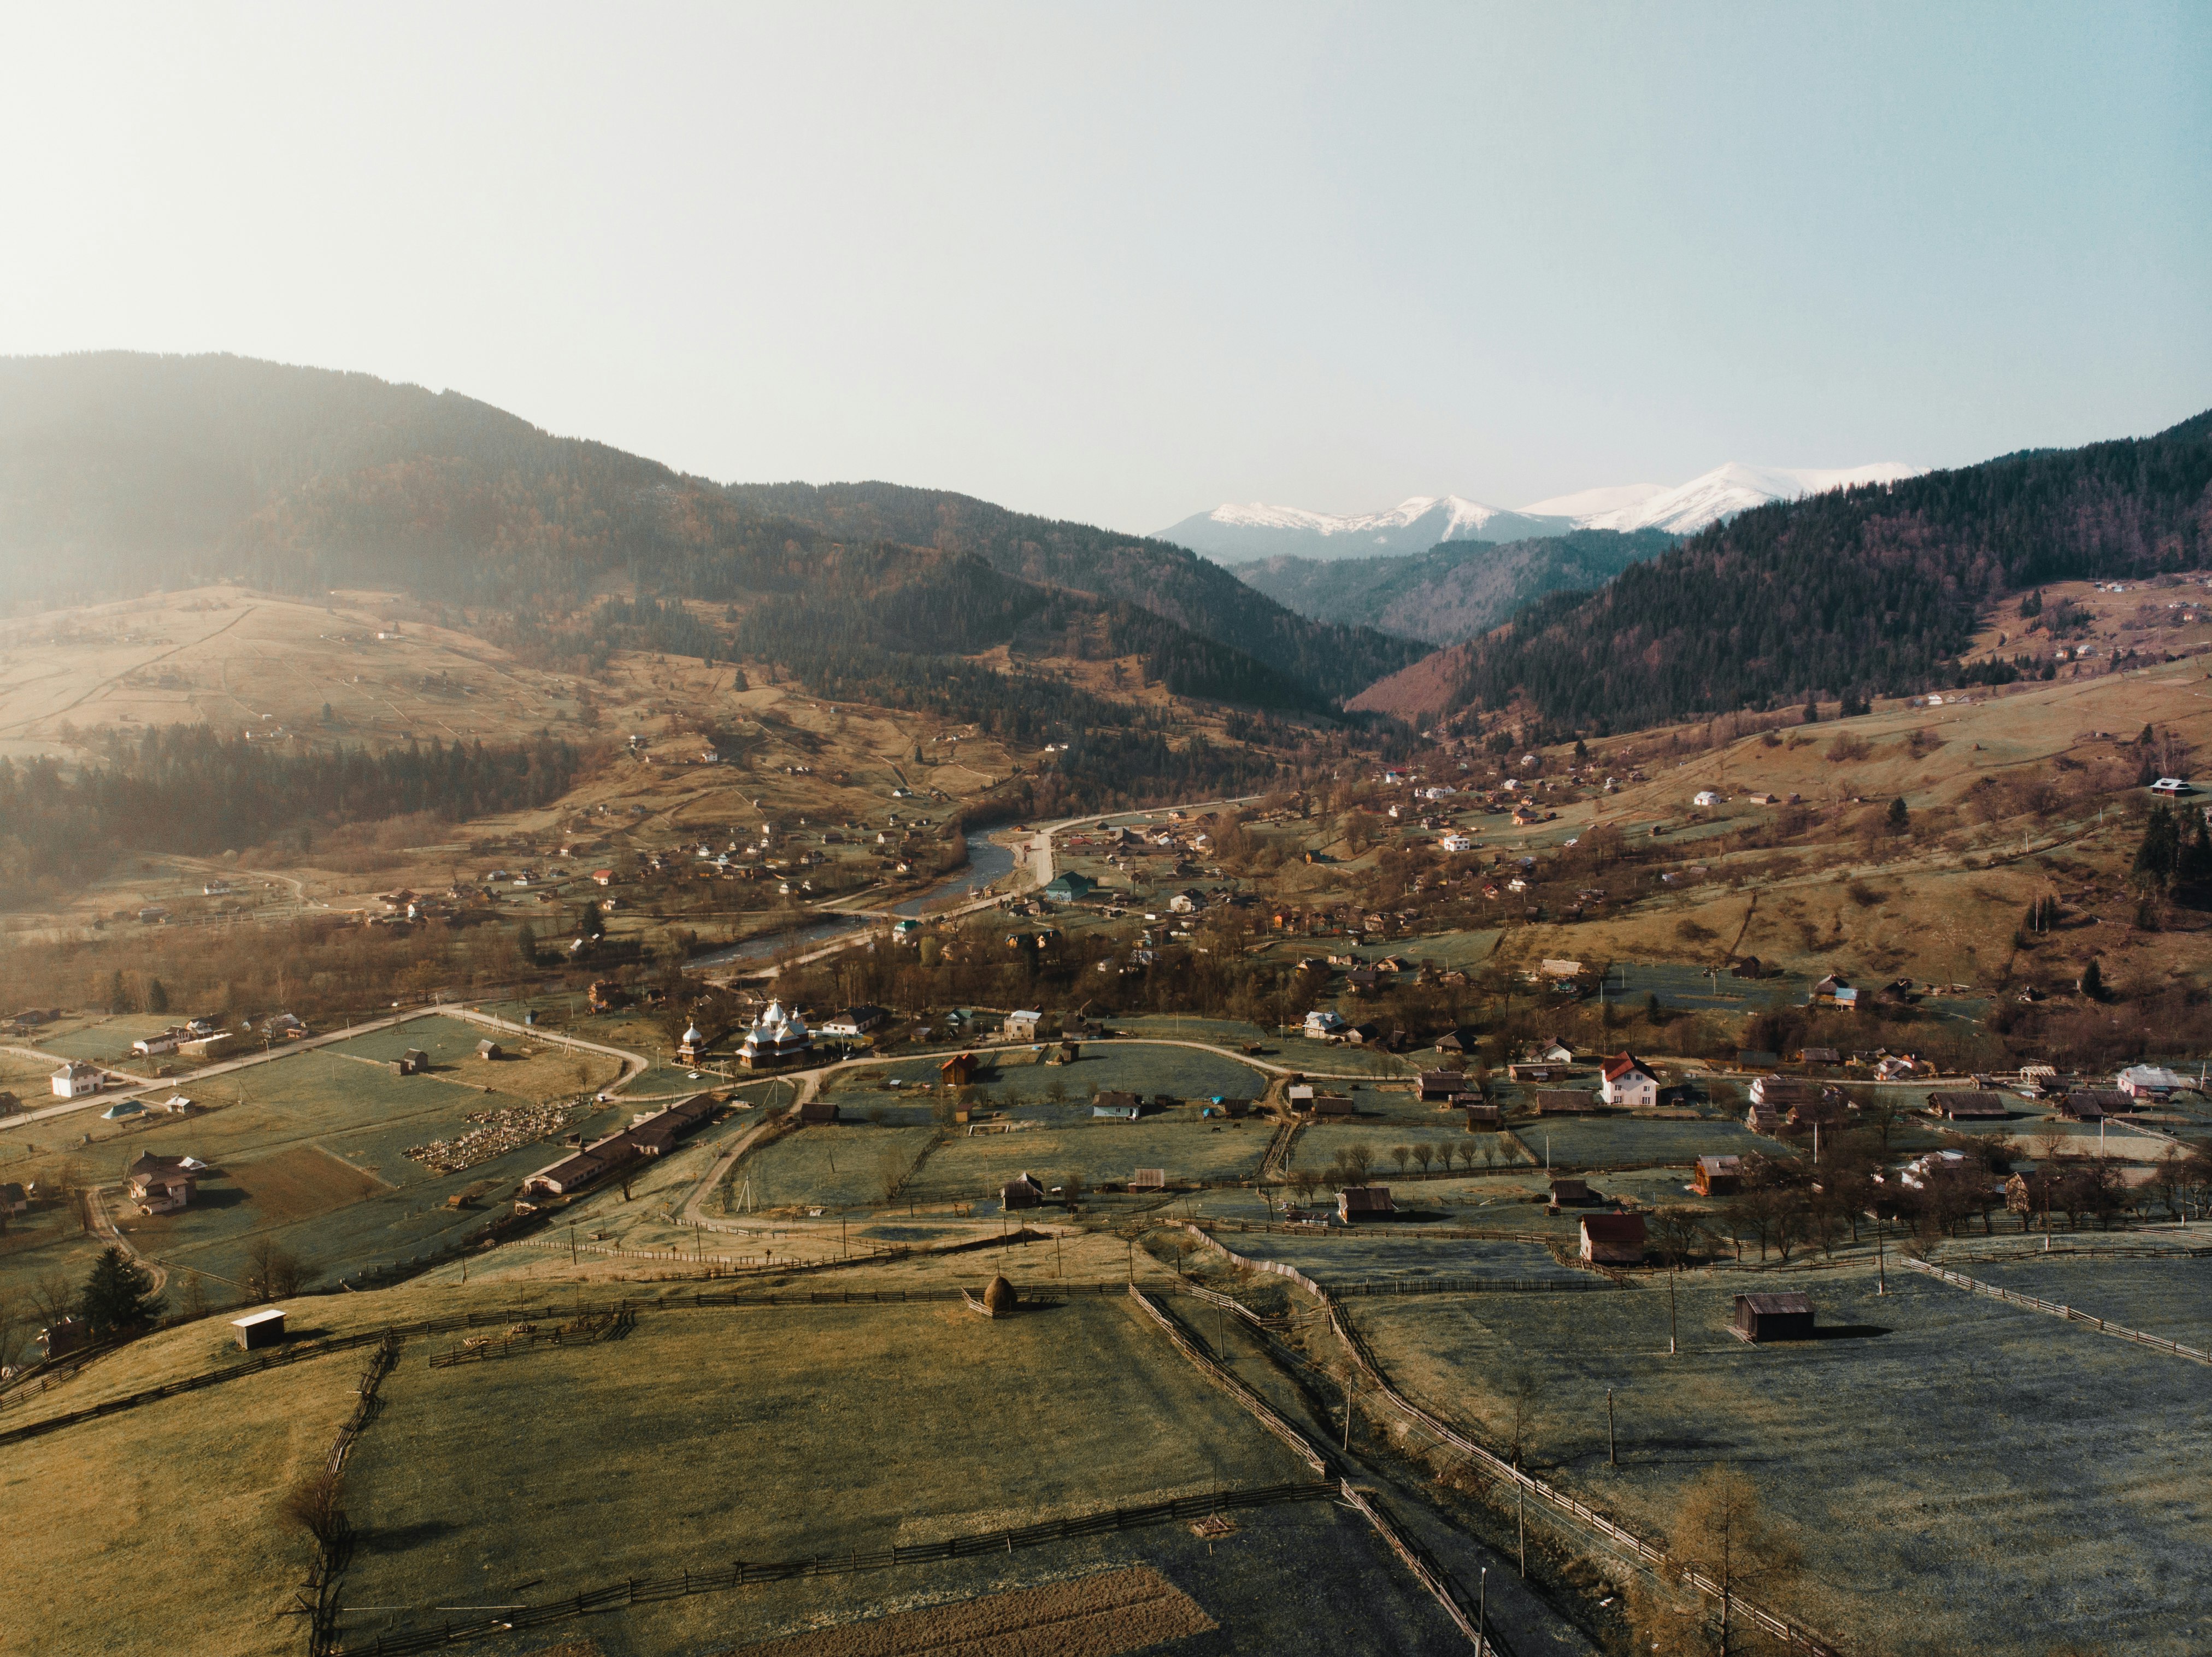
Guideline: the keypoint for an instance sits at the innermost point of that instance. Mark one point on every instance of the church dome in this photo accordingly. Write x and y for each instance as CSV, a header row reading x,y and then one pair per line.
x,y
691,1036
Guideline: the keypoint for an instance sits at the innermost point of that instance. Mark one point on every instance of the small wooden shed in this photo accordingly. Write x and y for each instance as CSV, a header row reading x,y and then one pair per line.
x,y
258,1329
1022,1191
958,1071
1718,1176
1963,1104
490,1050
1568,1190
414,1062
1761,1318
817,1109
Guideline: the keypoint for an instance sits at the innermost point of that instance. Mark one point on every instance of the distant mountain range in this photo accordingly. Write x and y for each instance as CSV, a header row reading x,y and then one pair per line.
x,y
1873,587
1239,534
1453,591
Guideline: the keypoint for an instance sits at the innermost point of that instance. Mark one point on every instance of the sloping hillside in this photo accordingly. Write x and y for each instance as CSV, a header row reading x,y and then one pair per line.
x,y
1868,588
1453,591
120,473
1168,581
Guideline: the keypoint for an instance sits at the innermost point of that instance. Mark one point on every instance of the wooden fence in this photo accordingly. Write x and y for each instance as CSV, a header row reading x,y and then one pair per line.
x,y
1427,1570
636,1591
334,1544
2051,1308
1794,1637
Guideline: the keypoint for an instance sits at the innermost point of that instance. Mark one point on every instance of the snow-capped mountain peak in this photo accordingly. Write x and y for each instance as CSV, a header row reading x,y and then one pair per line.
x,y
1238,533
1732,488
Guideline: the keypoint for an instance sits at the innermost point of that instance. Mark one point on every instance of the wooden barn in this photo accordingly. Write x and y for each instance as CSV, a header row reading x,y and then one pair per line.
x,y
1969,1104
414,1062
817,1109
1567,1191
1718,1176
1762,1318
959,1070
1483,1118
1357,1202
1441,1085
489,1050
1024,1191
1613,1239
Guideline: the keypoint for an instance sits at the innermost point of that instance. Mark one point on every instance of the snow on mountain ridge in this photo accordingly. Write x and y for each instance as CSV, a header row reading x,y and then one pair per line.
x,y
1459,513
1734,487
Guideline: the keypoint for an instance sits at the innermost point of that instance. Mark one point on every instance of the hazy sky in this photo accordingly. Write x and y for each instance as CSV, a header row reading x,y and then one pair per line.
x,y
1121,262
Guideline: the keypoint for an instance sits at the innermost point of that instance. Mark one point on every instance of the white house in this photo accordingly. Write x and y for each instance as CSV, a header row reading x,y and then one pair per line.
x,y
1022,1024
1455,843
75,1080
1628,1085
2148,1081
1322,1023
146,1046
2170,785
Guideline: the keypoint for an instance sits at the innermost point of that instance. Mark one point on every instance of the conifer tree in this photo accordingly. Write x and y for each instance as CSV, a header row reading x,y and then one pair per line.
x,y
119,1296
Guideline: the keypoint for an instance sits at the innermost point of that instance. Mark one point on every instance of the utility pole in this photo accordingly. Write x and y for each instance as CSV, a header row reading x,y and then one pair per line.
x,y
1672,1273
1482,1614
1612,1452
1521,1523
1881,1256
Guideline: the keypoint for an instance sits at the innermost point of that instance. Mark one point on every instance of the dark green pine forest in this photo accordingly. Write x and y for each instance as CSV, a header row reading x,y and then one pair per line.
x,y
1874,589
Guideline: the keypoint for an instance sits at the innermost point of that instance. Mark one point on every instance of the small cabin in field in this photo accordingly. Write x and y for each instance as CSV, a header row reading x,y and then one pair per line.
x,y
1612,1239
1718,1176
1762,1318
958,1071
414,1062
1567,1192
1962,1105
1441,1085
490,1051
1114,1106
1357,1202
818,1111
257,1330
1482,1118
1024,1191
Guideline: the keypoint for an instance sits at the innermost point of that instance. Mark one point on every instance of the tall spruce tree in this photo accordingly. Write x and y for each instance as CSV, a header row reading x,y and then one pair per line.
x,y
119,1296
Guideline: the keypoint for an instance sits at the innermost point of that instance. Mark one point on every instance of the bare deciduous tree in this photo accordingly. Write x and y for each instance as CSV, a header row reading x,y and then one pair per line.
x,y
1722,1531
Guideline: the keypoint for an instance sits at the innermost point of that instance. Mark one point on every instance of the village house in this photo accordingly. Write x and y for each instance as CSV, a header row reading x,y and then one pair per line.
x,y
852,1023
166,1042
959,1070
1628,1085
162,1185
1114,1106
77,1080
1441,1085
1612,1239
1834,990
1322,1023
1024,1191
2150,1082
1022,1024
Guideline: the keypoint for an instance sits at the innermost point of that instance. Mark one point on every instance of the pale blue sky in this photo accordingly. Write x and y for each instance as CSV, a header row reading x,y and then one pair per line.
x,y
1121,262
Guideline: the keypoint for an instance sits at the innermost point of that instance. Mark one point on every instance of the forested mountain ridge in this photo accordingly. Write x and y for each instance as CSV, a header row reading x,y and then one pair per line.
x,y
1167,580
120,472
1875,587
1456,589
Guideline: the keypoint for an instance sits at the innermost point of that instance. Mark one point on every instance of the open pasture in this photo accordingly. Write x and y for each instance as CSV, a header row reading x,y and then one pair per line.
x,y
107,1041
2171,1298
1962,1475
533,1069
1381,1252
832,1165
1099,1152
1598,1142
229,1541
740,1438
308,1151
